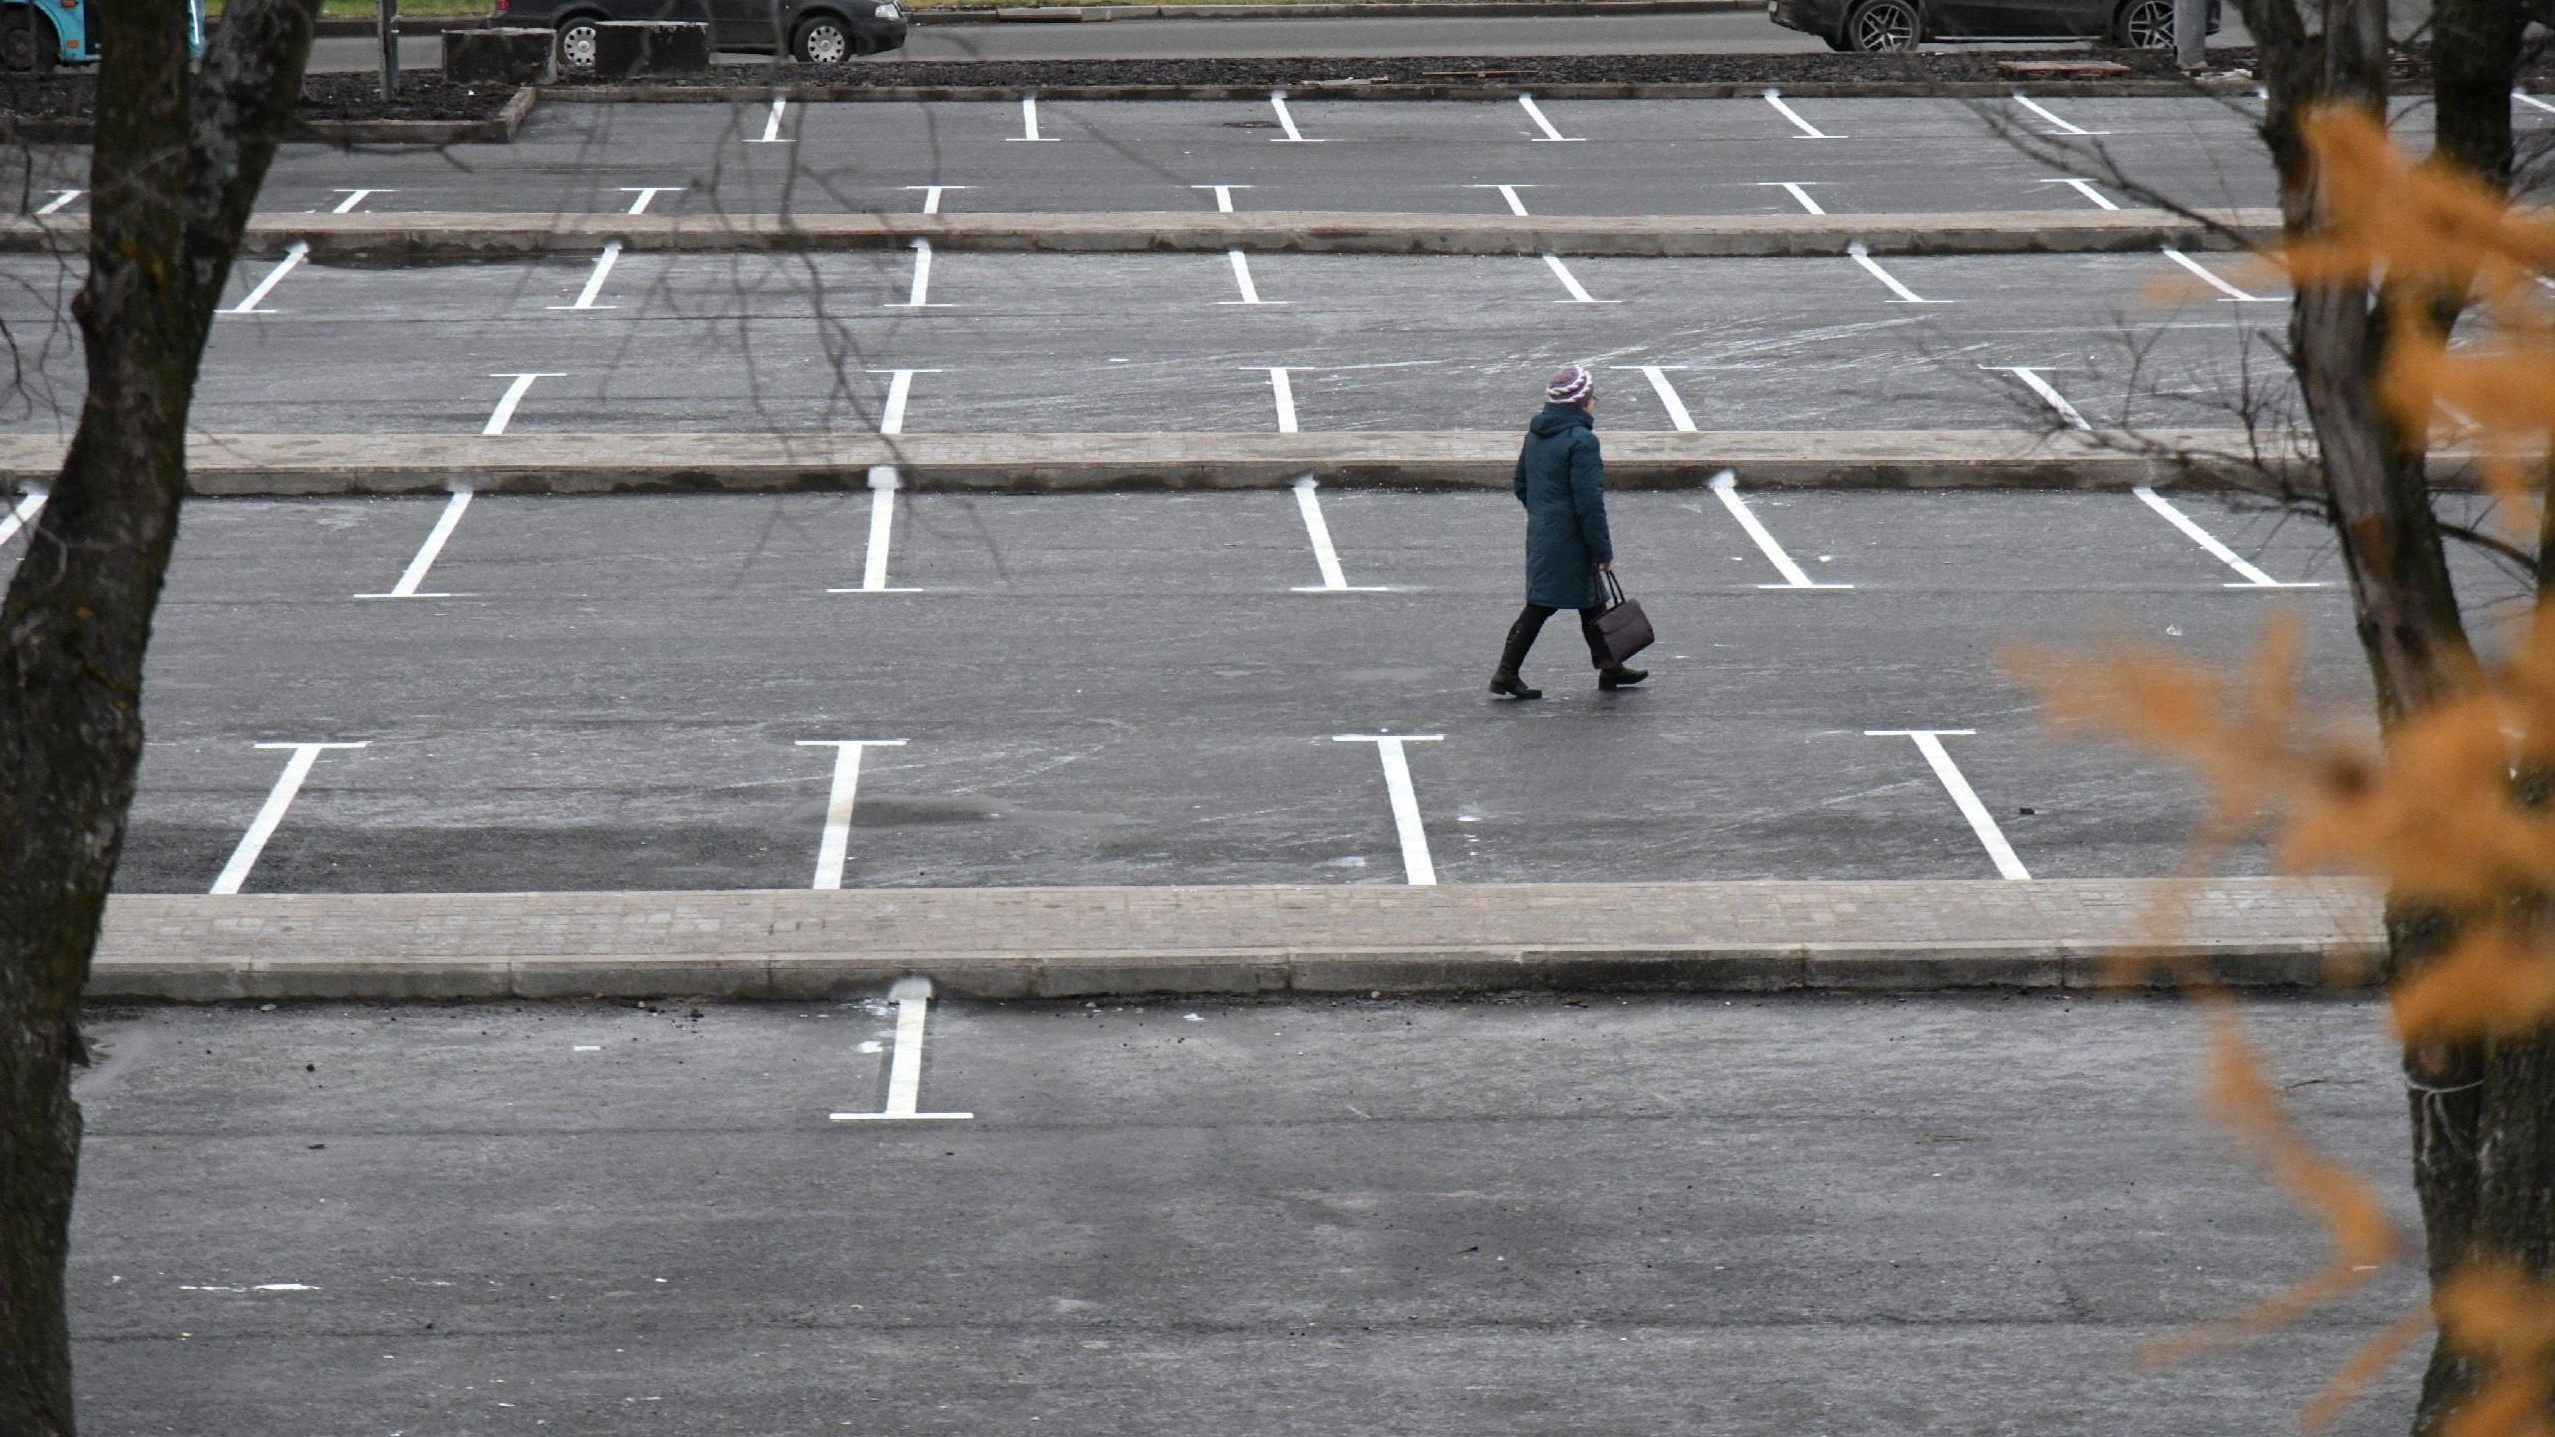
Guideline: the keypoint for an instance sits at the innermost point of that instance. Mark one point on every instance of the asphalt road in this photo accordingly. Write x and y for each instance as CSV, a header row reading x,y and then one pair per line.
x,y
1614,157
1907,1219
1096,689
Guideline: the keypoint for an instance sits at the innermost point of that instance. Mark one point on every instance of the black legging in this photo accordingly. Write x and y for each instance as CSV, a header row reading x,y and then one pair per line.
x,y
1530,622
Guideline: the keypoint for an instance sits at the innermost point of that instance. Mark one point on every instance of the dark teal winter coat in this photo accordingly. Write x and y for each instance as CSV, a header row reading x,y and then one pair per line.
x,y
1561,479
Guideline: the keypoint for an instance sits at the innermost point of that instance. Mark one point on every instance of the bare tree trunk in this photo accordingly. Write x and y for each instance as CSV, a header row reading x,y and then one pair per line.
x,y
2475,57
177,161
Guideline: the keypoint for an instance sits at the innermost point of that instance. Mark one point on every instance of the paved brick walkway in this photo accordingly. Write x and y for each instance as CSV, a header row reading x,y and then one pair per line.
x,y
1011,942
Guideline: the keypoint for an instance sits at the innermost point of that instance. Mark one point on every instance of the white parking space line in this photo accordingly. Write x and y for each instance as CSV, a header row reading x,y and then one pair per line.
x,y
900,387
292,259
1286,119
1308,503
1282,390
1550,135
2059,126
884,481
932,194
2047,391
1669,400
905,1065
2085,188
1242,281
29,504
1903,294
2232,295
833,849
2532,101
1929,741
919,297
772,127
1808,130
1725,485
271,814
1223,196
1796,189
60,201
1516,206
504,413
2254,578
1029,124
1571,282
354,199
1417,869
411,578
647,195
594,282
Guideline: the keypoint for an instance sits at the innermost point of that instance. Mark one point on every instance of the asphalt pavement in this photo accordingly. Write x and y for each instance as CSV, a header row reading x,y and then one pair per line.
x,y
1865,1219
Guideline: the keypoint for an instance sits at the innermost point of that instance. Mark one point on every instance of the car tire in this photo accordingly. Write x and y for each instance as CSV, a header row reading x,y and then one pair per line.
x,y
26,44
2144,25
1887,26
822,39
577,37
1836,42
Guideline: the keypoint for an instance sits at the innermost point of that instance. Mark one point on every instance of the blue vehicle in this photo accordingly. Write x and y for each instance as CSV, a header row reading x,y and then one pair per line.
x,y
36,35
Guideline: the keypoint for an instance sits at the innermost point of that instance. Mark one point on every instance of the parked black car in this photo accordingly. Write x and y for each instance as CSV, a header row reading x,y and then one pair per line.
x,y
1905,24
818,31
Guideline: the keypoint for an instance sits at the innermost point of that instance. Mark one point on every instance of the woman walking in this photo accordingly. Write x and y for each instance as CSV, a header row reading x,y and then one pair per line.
x,y
1561,479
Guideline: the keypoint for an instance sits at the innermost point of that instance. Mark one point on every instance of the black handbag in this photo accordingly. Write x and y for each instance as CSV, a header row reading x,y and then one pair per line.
x,y
1625,627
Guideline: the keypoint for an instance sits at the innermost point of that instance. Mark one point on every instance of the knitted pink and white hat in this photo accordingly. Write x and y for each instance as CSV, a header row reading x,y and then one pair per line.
x,y
1570,384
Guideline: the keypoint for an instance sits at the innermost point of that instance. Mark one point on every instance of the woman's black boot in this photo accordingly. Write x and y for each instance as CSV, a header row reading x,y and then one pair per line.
x,y
1512,656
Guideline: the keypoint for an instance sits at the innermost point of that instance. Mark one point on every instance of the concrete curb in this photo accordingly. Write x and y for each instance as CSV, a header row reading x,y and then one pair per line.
x,y
419,236
245,465
496,130
1354,90
1895,937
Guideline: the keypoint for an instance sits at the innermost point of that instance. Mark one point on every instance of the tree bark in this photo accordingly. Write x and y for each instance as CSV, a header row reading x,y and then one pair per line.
x,y
176,164
2475,58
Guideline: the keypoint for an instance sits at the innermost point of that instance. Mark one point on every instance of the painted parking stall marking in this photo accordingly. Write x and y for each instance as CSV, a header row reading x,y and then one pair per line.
x,y
354,200
61,201
1029,124
21,514
1901,293
1417,868
1929,742
294,254
900,388
1223,196
1808,130
2228,293
2030,375
602,271
1669,399
504,413
2086,188
1308,504
1282,393
919,296
932,194
834,846
1571,283
1550,136
2057,125
1797,189
912,996
1516,206
414,576
1725,487
270,815
1242,280
2532,101
647,195
883,485
2252,577
772,125
1286,121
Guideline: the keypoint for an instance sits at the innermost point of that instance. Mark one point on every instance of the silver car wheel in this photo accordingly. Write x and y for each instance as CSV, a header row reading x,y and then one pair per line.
x,y
1885,25
2148,25
576,46
824,43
